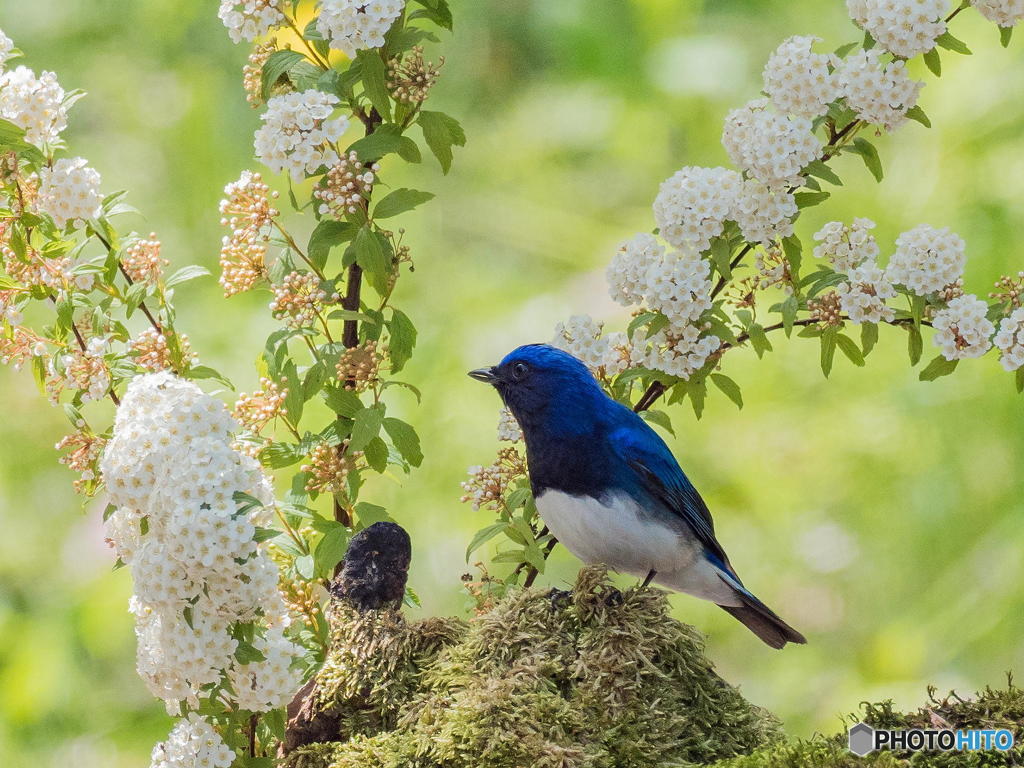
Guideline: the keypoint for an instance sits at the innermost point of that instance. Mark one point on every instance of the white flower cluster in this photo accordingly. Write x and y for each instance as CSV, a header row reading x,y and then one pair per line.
x,y
679,286
693,204
70,191
1010,340
192,743
680,350
296,130
798,80
962,329
581,337
862,297
627,271
927,259
248,19
509,430
6,48
878,93
355,25
846,247
33,103
903,27
764,214
1005,13
171,472
771,147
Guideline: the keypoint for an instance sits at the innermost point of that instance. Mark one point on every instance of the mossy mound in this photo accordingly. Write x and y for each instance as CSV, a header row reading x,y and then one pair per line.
x,y
594,678
990,709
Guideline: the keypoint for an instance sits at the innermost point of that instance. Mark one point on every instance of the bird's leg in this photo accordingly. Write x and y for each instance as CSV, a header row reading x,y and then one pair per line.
x,y
649,579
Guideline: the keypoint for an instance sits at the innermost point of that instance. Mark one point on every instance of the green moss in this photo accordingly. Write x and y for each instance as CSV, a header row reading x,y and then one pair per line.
x,y
591,679
594,678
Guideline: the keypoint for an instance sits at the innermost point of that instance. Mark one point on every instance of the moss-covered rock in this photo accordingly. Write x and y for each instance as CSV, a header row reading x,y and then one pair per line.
x,y
595,678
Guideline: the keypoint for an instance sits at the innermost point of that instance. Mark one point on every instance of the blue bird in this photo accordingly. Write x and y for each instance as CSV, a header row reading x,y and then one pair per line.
x,y
610,490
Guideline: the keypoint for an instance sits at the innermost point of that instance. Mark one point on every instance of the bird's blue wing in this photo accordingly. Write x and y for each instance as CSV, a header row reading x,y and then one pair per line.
x,y
659,475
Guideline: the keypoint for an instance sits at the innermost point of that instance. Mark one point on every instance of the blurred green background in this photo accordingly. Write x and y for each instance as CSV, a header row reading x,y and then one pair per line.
x,y
881,516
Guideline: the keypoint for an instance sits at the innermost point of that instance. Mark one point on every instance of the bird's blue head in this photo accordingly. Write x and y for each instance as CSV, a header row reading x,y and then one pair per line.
x,y
542,386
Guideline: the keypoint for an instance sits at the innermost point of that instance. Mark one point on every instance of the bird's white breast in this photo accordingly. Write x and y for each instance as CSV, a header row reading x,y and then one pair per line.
x,y
615,533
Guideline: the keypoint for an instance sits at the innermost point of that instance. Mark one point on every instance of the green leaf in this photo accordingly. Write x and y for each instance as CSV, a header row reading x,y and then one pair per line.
x,y
818,169
868,154
721,255
951,43
939,366
868,337
828,350
758,339
793,249
368,513
376,453
185,274
386,139
408,151
843,50
405,439
484,535
366,426
327,235
280,455
728,387
789,310
375,81
918,114
400,201
915,344
810,199
330,550
697,390
441,132
279,63
206,372
342,401
371,255
660,418
402,339
436,11
850,349
1005,33
933,62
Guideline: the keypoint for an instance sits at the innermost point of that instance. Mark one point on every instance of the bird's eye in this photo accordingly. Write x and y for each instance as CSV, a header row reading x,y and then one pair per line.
x,y
519,370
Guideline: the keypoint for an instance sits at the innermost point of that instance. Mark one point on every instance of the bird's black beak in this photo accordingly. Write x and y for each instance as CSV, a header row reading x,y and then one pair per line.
x,y
486,375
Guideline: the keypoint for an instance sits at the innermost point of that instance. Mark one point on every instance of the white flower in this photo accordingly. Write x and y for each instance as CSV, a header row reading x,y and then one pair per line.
x,y
878,93
296,130
679,286
693,204
680,350
903,27
771,147
70,191
581,337
355,25
1010,340
847,247
192,743
764,215
927,259
170,463
1005,13
863,296
248,19
627,272
509,430
35,104
962,329
6,48
798,80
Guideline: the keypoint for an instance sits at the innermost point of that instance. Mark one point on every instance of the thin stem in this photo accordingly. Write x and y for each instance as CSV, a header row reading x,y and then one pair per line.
x,y
253,720
124,273
295,247
81,345
312,51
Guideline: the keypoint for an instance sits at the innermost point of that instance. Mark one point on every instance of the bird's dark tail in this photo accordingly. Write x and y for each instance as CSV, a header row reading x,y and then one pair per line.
x,y
763,621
